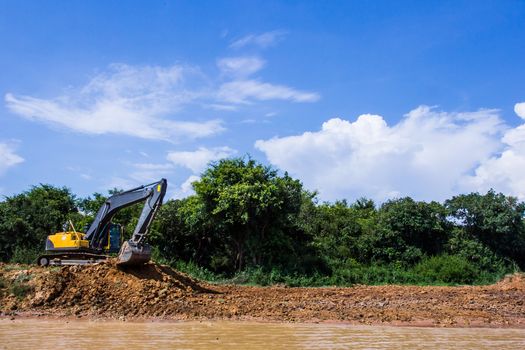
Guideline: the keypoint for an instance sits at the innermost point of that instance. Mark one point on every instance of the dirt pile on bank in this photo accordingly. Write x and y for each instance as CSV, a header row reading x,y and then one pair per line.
x,y
159,292
101,290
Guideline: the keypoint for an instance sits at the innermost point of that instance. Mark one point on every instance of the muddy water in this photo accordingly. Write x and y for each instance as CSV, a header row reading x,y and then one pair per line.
x,y
35,334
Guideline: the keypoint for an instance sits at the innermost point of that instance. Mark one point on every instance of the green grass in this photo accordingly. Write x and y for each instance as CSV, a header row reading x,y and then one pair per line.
x,y
443,270
20,290
23,255
20,287
15,267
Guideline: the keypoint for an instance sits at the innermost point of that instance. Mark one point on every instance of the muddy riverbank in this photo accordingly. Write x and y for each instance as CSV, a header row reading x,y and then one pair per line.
x,y
155,292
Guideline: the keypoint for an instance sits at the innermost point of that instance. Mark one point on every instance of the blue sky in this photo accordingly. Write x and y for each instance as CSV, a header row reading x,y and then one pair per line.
x,y
379,99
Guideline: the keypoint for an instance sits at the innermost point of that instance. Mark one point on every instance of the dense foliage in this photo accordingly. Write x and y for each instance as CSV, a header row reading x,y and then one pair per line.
x,y
248,223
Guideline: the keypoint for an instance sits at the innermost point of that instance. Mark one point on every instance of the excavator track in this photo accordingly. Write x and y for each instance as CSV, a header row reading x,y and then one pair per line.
x,y
70,258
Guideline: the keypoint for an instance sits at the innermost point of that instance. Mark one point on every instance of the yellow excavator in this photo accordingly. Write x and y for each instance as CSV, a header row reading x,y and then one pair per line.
x,y
103,237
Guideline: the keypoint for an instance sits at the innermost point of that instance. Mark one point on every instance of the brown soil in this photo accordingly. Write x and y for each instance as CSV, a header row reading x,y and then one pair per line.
x,y
161,293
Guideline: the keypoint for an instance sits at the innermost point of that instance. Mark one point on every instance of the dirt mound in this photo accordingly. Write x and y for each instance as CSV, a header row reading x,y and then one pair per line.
x,y
104,290
512,282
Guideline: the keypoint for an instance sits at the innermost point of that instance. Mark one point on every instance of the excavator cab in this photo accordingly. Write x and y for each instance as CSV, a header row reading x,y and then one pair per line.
x,y
112,240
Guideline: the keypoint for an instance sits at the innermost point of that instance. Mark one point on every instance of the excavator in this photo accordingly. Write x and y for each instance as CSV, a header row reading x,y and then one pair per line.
x,y
102,236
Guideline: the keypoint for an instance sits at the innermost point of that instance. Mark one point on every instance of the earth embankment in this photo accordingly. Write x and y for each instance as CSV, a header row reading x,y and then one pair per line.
x,y
156,292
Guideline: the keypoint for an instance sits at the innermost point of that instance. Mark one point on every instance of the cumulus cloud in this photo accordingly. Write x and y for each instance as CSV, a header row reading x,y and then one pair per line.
x,y
519,108
197,160
128,100
263,40
186,188
240,66
245,91
8,157
427,155
504,171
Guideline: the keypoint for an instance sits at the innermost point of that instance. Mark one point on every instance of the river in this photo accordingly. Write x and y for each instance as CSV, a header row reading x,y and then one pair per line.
x,y
89,335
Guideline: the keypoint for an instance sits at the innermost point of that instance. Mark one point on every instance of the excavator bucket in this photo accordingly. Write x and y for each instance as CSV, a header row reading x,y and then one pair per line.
x,y
132,255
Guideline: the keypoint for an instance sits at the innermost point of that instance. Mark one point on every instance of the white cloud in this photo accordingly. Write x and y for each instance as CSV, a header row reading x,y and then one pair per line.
x,y
263,40
504,171
81,171
147,101
8,157
222,107
427,155
119,183
245,91
138,174
186,189
129,100
240,66
242,90
519,108
143,173
199,159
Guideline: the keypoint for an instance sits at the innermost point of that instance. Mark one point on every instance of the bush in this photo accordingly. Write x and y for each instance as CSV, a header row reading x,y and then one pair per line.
x,y
157,256
477,253
448,269
22,255
20,287
196,271
20,290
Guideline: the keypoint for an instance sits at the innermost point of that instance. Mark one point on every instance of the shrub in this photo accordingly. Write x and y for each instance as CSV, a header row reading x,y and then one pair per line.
x,y
19,289
195,271
23,255
448,269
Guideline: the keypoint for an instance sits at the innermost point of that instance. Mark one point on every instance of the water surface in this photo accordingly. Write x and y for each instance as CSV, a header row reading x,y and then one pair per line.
x,y
50,334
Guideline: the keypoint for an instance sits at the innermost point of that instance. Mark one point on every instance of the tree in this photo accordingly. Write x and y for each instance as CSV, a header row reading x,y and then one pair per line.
x,y
335,229
250,207
494,219
28,218
419,224
182,231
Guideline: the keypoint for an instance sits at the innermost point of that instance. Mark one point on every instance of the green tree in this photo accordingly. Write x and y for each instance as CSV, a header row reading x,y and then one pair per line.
x,y
419,224
182,231
243,214
493,219
336,229
28,218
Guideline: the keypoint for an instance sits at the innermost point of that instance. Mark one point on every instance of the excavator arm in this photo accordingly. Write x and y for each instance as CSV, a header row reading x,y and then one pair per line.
x,y
134,251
